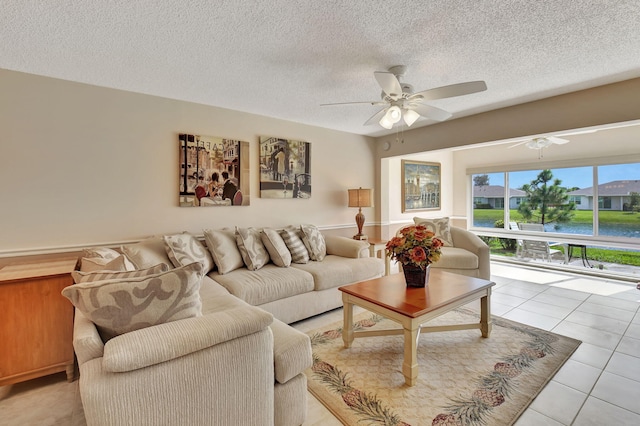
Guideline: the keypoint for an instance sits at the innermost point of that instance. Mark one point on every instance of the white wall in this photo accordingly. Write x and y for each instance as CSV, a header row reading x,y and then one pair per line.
x,y
83,165
391,185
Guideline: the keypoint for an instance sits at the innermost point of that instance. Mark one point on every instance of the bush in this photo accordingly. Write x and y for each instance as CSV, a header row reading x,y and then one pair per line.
x,y
506,243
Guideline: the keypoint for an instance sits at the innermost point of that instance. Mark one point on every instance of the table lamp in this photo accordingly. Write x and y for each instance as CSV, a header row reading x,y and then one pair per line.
x,y
360,198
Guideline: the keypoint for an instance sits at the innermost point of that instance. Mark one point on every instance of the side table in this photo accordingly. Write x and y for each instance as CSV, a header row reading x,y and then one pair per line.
x,y
36,321
583,254
377,247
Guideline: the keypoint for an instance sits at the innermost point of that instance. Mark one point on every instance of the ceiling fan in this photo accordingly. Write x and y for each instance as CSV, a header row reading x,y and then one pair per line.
x,y
540,143
401,103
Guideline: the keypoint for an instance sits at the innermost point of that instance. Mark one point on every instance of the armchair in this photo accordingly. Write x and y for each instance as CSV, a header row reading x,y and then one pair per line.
x,y
464,252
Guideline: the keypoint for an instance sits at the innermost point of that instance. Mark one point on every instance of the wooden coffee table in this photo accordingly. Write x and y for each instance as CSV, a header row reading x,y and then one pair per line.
x,y
411,307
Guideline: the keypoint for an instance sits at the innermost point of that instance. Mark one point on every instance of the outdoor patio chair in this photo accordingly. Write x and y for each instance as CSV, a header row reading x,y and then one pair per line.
x,y
542,249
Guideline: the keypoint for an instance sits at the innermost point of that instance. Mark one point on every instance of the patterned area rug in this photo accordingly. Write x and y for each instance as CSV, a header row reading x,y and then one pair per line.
x,y
464,379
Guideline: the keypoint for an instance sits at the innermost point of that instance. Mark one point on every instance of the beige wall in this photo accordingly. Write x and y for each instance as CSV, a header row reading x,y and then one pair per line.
x,y
83,165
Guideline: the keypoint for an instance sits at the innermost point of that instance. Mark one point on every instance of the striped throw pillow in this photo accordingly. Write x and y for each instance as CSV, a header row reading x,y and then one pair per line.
x,y
299,253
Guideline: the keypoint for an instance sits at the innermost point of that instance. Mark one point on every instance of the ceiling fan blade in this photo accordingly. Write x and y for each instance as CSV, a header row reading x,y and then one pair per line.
x,y
518,144
432,112
356,103
558,141
451,91
389,84
375,118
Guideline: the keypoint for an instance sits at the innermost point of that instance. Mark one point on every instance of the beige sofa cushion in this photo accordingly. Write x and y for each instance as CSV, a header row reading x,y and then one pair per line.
x,y
313,242
185,248
456,258
224,249
147,253
253,252
265,285
93,264
121,306
439,226
291,237
335,271
106,253
85,277
278,251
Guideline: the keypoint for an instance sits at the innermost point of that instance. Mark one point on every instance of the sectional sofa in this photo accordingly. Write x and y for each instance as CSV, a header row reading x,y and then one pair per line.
x,y
216,348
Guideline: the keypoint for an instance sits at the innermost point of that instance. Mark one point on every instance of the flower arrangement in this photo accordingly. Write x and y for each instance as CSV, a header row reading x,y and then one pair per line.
x,y
416,245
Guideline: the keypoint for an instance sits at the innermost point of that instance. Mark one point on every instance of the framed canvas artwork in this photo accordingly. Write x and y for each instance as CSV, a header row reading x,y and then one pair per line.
x,y
420,186
285,168
213,171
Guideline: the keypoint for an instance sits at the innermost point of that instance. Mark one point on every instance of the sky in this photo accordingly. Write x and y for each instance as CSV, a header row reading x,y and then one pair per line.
x,y
580,177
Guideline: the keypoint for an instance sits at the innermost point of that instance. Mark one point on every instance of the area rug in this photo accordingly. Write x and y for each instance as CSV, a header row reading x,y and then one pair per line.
x,y
463,379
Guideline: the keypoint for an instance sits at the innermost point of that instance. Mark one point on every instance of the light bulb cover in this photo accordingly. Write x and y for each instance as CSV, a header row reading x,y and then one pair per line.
x,y
394,113
410,116
385,122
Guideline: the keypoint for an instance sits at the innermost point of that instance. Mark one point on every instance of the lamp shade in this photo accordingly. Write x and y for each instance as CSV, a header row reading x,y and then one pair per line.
x,y
360,197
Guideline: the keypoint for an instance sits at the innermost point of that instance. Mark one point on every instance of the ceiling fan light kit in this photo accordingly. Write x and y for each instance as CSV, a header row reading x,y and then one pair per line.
x,y
402,103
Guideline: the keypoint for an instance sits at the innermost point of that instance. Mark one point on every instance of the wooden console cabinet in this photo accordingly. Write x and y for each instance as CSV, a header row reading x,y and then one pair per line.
x,y
36,321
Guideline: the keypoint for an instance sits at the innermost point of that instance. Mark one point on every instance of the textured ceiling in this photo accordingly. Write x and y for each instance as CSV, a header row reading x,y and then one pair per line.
x,y
283,58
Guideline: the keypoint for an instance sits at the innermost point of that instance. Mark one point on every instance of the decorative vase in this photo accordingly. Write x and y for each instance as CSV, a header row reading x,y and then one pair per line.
x,y
415,276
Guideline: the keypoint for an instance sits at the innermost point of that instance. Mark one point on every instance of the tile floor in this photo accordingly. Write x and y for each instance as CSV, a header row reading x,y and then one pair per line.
x,y
599,385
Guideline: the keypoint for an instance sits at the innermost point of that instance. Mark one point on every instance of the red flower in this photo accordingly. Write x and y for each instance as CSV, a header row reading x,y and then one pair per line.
x,y
418,254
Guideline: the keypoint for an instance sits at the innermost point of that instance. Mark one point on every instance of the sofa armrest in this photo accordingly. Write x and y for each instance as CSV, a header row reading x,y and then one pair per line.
x,y
346,247
87,343
160,343
467,240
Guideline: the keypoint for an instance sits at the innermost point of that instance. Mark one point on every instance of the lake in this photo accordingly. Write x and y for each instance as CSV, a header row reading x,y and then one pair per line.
x,y
611,230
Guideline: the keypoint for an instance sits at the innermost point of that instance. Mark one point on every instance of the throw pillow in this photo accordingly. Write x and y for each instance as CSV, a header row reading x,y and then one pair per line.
x,y
184,249
124,305
91,264
147,253
276,247
314,242
299,253
439,226
252,250
223,248
85,277
106,253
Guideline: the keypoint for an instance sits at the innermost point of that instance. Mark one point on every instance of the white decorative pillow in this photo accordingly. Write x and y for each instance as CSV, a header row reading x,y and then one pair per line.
x,y
147,253
439,226
106,253
223,248
276,247
121,306
85,277
299,253
252,250
184,249
314,242
92,264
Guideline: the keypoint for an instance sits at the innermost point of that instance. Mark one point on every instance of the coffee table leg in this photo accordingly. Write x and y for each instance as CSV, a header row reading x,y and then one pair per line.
x,y
410,364
347,325
485,315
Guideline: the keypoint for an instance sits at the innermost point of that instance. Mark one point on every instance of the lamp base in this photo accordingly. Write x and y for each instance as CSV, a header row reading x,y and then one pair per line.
x,y
360,237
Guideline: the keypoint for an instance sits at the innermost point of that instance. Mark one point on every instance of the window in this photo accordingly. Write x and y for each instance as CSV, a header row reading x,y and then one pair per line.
x,y
570,206
604,203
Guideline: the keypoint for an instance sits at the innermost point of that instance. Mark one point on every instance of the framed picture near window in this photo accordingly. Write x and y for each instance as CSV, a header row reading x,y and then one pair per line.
x,y
420,186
